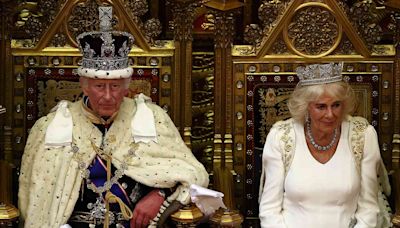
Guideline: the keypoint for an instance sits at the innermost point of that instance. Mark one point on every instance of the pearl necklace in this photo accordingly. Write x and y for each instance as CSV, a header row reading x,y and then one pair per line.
x,y
314,144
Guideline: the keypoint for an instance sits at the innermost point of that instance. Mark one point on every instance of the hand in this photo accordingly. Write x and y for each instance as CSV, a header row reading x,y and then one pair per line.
x,y
146,209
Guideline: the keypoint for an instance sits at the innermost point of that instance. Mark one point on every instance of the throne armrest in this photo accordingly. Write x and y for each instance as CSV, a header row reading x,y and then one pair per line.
x,y
395,176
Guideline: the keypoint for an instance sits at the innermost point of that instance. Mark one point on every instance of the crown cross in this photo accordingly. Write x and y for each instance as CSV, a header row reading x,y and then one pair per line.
x,y
105,52
105,17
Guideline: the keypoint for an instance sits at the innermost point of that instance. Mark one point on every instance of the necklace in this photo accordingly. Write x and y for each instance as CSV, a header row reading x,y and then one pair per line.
x,y
85,172
314,144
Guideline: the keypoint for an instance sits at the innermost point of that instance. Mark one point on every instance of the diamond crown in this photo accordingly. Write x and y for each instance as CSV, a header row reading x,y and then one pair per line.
x,y
316,74
106,49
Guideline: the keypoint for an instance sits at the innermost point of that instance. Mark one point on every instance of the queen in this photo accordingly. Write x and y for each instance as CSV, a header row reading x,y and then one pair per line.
x,y
320,167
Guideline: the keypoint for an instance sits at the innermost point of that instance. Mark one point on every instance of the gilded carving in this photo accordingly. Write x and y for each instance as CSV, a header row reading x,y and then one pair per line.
x,y
244,50
313,30
35,16
345,47
269,11
137,8
381,50
224,21
203,119
34,28
209,24
279,47
184,13
365,17
48,8
84,17
253,34
59,40
152,29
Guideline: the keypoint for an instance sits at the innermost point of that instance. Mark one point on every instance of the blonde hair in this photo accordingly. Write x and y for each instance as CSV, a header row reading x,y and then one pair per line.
x,y
303,95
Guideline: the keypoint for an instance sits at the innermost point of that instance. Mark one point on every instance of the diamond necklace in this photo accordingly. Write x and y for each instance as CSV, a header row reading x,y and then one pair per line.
x,y
314,144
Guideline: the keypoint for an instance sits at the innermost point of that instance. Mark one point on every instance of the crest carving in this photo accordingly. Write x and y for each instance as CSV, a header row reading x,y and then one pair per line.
x,y
313,31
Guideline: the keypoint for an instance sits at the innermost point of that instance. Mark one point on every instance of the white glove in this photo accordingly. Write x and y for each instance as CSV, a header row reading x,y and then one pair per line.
x,y
207,200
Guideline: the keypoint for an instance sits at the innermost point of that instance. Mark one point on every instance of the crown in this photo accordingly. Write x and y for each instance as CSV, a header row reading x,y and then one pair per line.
x,y
319,74
105,52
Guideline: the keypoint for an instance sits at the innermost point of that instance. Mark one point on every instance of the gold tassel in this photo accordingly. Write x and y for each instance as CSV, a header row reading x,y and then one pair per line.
x,y
125,210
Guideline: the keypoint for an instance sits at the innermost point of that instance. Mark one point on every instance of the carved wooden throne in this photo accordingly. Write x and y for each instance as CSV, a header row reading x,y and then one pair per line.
x,y
294,33
44,67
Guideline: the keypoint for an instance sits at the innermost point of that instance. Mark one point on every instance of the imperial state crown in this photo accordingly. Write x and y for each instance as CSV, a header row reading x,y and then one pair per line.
x,y
105,52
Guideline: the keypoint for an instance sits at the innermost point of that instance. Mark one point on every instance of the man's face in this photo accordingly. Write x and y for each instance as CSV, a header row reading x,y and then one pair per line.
x,y
105,95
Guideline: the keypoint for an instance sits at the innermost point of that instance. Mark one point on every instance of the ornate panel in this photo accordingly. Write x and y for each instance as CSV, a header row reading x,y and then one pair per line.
x,y
33,18
203,107
47,86
313,30
262,91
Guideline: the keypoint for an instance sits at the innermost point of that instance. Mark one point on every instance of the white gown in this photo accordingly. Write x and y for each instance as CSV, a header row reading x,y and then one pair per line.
x,y
319,195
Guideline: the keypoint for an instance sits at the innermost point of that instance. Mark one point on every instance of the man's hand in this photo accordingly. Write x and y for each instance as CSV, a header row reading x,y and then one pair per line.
x,y
146,209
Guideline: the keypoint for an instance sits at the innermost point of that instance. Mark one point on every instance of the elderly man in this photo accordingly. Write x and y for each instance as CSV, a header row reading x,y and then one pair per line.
x,y
106,160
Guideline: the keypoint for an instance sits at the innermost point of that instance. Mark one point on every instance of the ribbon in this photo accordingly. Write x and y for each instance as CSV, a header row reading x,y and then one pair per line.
x,y
98,176
59,131
143,124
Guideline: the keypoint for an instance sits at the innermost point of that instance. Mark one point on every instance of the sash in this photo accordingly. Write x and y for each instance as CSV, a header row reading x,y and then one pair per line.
x,y
98,177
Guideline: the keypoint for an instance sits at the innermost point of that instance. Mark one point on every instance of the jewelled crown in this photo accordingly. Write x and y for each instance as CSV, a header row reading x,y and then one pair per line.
x,y
319,74
105,52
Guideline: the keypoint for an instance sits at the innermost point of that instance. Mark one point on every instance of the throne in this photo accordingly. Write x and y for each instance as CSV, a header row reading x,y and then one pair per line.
x,y
266,101
45,70
47,86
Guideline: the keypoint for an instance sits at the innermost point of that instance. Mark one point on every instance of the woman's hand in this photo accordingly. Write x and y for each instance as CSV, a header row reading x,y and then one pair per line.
x,y
146,209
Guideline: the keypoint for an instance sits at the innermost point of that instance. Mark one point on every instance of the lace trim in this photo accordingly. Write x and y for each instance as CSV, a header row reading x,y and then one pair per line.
x,y
358,126
288,144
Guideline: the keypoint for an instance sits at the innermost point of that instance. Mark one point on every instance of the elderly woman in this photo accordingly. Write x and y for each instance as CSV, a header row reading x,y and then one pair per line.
x,y
320,166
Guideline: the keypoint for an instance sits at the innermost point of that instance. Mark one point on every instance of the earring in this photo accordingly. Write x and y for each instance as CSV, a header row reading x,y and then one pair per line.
x,y
307,117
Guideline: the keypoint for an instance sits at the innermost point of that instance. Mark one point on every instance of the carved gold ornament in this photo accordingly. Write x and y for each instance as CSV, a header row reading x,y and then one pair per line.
x,y
312,31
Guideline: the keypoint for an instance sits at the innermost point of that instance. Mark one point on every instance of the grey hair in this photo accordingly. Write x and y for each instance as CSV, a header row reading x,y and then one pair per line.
x,y
84,82
303,95
127,82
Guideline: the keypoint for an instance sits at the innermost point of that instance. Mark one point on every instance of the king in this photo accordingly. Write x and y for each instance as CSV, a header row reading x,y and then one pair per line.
x,y
105,160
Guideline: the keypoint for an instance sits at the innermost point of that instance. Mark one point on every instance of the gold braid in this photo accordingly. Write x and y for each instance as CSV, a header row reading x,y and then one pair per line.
x,y
110,197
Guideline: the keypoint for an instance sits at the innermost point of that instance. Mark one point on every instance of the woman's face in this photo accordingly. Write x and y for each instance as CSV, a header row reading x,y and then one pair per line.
x,y
326,114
